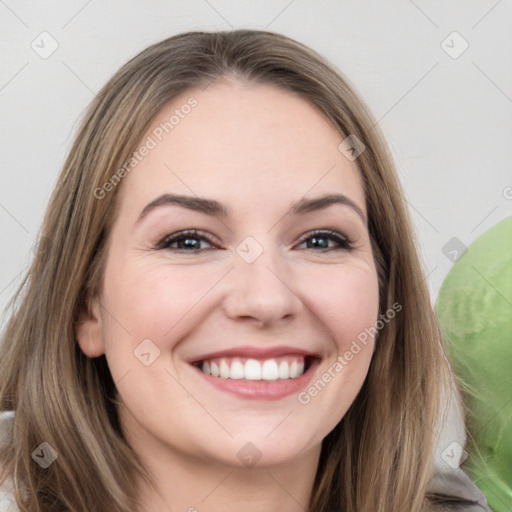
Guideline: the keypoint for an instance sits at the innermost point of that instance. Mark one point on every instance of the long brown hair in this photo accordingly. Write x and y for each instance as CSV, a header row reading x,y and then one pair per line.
x,y
379,458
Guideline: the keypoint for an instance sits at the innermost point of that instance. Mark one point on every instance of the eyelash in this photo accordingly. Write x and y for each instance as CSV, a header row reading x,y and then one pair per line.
x,y
342,241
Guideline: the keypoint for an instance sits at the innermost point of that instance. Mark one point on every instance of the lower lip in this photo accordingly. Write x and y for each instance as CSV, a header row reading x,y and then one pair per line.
x,y
260,389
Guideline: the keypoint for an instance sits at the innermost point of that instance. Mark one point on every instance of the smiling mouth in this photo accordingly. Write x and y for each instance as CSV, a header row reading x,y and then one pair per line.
x,y
256,369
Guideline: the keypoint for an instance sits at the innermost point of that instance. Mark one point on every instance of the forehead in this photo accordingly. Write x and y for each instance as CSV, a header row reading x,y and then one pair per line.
x,y
241,143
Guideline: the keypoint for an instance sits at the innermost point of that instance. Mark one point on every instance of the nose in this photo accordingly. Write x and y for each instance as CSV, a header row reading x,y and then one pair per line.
x,y
262,291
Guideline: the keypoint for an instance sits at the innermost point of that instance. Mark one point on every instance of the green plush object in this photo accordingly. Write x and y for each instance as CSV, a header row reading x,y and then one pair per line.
x,y
474,309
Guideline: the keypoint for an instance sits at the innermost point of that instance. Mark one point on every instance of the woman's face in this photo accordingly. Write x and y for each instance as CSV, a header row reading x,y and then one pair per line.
x,y
256,292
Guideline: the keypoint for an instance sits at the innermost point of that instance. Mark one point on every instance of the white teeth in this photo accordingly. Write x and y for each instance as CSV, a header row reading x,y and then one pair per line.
x,y
224,369
237,370
269,370
289,367
252,369
284,370
215,370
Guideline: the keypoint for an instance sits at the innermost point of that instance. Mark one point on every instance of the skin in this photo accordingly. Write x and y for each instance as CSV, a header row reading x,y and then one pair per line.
x,y
257,149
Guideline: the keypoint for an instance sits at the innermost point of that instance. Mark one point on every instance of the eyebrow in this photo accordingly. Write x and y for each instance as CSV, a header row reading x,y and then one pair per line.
x,y
214,208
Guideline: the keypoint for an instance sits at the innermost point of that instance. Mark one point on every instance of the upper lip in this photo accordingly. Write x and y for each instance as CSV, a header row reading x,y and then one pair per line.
x,y
256,352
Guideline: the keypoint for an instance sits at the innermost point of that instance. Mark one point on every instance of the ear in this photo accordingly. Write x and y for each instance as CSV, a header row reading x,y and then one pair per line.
x,y
88,329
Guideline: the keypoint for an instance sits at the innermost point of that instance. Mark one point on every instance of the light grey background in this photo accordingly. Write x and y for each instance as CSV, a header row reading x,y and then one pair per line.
x,y
447,117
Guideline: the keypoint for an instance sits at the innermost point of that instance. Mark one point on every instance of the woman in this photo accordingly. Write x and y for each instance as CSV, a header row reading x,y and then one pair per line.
x,y
226,310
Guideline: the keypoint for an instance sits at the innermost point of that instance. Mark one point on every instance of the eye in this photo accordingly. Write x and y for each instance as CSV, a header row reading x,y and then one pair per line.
x,y
320,239
191,241
188,241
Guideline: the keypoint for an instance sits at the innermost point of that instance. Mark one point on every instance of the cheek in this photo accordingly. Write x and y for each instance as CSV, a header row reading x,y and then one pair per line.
x,y
346,300
150,301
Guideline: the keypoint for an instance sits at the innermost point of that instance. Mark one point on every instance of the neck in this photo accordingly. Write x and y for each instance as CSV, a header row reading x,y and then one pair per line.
x,y
185,484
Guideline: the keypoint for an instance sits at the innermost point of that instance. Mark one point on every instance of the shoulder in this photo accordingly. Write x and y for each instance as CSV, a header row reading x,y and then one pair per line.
x,y
454,491
451,489
7,501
